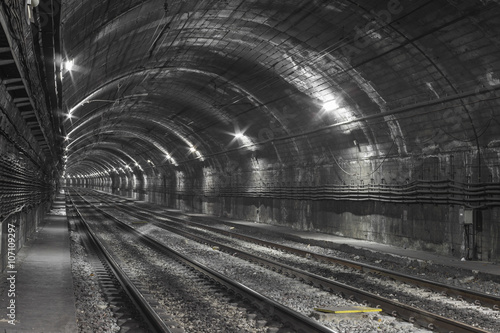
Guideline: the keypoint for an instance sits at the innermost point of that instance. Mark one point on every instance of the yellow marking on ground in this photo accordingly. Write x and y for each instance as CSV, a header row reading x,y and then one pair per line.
x,y
350,309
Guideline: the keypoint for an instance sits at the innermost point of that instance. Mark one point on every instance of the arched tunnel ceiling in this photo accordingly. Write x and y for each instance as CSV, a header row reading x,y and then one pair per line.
x,y
172,82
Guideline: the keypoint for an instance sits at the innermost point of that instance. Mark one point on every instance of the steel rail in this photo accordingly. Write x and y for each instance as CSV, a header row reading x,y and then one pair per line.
x,y
153,320
289,317
421,317
411,314
471,296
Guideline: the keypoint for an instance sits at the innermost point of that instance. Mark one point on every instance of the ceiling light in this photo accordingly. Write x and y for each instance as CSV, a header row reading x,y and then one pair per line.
x,y
68,65
330,105
239,135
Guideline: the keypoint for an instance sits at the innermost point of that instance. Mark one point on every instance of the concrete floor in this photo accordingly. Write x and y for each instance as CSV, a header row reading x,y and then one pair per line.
x,y
44,301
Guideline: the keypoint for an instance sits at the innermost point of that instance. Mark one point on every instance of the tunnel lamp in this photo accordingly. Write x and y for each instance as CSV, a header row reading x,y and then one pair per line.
x,y
68,65
239,135
66,138
192,149
330,105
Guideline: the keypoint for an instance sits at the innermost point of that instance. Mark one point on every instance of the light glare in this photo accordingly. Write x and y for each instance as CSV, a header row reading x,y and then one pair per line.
x,y
330,105
68,65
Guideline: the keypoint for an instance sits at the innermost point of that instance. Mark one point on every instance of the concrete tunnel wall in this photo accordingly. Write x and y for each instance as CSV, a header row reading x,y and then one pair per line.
x,y
29,137
253,187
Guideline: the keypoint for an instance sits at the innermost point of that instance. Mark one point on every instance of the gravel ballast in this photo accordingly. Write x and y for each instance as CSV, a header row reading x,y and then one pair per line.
x,y
304,298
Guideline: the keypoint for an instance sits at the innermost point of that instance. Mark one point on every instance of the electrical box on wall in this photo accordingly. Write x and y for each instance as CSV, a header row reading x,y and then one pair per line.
x,y
466,216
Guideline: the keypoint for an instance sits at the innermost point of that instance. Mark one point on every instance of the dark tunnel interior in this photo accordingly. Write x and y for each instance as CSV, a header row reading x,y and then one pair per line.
x,y
375,120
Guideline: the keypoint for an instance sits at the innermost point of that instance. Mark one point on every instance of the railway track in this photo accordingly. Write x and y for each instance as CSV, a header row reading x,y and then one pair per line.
x,y
265,305
417,316
471,296
129,303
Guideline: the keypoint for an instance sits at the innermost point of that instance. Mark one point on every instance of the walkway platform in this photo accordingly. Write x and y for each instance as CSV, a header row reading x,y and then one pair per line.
x,y
44,300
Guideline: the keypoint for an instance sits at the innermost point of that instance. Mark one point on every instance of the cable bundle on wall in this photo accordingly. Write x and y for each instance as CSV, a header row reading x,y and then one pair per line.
x,y
22,186
471,195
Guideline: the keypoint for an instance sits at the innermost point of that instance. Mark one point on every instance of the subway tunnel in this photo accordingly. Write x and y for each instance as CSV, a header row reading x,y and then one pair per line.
x,y
373,120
